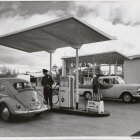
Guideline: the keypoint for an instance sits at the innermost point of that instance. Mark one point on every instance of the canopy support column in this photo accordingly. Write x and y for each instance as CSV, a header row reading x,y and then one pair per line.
x,y
116,67
77,79
51,62
77,75
109,69
63,67
122,70
51,52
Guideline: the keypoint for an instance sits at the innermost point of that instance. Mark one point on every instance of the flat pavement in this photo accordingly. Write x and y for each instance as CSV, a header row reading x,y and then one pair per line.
x,y
124,120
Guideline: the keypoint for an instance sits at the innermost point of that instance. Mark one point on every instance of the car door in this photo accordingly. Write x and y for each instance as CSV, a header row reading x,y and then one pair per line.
x,y
117,87
107,89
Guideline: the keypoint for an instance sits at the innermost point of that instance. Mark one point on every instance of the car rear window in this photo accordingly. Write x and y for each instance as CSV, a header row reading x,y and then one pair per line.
x,y
22,86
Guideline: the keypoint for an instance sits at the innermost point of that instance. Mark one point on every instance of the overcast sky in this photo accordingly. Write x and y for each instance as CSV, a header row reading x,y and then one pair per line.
x,y
120,19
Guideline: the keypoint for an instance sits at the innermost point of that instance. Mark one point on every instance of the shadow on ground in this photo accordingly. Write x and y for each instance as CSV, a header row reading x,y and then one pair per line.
x,y
24,119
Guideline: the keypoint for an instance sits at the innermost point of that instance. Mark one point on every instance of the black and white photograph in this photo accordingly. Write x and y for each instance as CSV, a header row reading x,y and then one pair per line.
x,y
70,69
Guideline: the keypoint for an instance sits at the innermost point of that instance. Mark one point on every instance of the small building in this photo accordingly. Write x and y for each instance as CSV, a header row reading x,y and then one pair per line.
x,y
132,69
23,76
33,77
127,67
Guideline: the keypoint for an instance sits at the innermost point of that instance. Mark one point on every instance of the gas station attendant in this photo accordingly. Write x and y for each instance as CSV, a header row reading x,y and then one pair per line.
x,y
47,83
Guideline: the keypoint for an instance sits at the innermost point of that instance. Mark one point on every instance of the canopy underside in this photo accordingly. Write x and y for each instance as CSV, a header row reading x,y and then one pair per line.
x,y
49,36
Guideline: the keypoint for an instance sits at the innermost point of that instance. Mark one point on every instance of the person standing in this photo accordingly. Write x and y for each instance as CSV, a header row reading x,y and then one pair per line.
x,y
96,86
47,83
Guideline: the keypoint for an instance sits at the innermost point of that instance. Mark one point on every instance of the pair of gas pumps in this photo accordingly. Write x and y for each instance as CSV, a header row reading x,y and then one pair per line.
x,y
67,96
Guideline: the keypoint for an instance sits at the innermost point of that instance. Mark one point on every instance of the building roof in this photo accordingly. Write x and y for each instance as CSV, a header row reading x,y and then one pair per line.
x,y
64,32
134,56
111,57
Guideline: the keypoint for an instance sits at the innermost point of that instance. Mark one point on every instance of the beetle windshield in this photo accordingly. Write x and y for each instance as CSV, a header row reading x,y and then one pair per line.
x,y
22,86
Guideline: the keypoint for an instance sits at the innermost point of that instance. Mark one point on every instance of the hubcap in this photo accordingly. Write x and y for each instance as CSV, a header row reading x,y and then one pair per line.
x,y
88,96
5,113
127,98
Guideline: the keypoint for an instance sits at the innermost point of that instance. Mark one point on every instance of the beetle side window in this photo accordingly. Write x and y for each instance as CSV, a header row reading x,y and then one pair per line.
x,y
18,86
22,86
27,85
2,88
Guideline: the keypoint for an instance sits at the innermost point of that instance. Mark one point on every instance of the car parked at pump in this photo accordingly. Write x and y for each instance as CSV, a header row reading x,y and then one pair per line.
x,y
113,87
19,97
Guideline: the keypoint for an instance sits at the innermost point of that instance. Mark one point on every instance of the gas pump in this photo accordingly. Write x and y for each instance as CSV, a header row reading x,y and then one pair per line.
x,y
66,91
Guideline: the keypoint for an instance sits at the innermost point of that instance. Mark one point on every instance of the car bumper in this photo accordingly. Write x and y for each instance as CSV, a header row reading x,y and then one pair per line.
x,y
20,112
136,96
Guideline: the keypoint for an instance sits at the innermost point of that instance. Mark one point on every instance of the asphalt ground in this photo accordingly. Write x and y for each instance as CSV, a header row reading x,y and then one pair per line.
x,y
124,120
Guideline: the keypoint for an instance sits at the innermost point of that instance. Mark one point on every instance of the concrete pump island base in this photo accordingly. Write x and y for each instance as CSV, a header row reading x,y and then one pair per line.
x,y
80,112
67,101
64,32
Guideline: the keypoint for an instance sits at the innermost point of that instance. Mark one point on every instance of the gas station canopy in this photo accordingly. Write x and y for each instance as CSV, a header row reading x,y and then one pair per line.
x,y
64,32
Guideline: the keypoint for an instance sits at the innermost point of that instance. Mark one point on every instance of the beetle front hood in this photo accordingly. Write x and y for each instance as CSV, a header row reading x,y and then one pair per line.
x,y
29,98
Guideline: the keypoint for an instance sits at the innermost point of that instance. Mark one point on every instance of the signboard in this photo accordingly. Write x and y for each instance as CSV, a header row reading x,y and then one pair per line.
x,y
96,106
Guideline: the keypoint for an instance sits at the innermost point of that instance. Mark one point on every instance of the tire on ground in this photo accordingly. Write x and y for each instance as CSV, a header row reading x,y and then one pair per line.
x,y
127,97
87,95
5,113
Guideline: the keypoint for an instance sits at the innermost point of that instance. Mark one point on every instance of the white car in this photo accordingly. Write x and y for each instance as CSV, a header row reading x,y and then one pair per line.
x,y
113,87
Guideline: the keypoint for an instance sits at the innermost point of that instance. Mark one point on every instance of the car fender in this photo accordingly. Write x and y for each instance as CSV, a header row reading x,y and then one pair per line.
x,y
11,103
82,91
125,92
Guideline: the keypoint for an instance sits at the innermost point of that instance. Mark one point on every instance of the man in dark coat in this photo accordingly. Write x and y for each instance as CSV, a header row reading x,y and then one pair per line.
x,y
96,86
47,83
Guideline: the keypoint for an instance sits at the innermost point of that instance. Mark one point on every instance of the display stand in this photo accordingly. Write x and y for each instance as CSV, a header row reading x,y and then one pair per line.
x,y
96,104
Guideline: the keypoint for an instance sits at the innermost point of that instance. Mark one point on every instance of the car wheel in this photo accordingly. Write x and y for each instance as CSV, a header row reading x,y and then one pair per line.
x,y
5,113
88,95
127,97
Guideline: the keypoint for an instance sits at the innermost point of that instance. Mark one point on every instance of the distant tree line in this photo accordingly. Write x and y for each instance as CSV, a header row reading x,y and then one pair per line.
x,y
7,72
